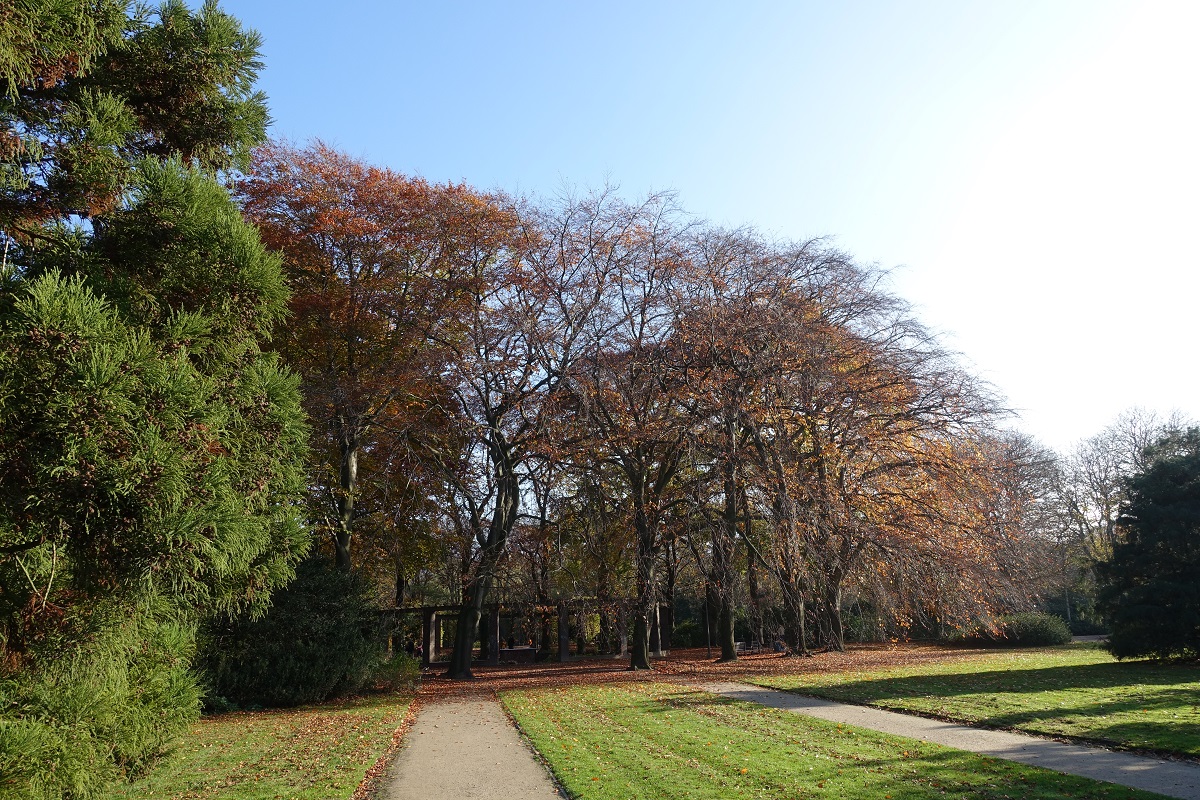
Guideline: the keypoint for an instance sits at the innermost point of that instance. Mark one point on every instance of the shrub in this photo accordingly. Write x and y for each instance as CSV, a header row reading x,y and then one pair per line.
x,y
401,672
320,638
687,634
1026,629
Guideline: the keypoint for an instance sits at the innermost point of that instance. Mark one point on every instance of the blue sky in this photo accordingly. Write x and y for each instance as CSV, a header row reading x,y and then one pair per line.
x,y
1028,169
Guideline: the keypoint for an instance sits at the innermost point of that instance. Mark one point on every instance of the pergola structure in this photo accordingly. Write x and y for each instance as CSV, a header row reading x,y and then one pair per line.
x,y
492,651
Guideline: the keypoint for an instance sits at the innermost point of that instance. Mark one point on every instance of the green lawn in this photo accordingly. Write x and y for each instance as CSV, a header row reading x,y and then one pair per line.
x,y
1075,690
311,753
664,741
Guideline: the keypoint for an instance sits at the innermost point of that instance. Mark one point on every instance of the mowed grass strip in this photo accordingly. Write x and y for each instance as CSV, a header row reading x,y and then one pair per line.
x,y
1076,690
651,741
309,753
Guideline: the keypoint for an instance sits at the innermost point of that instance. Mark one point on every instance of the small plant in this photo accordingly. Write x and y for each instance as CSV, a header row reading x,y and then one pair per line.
x,y
400,673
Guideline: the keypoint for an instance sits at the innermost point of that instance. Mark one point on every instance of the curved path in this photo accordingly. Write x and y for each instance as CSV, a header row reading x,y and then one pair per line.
x,y
1171,778
466,748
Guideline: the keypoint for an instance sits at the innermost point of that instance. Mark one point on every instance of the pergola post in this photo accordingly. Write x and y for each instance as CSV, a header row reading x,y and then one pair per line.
x,y
427,619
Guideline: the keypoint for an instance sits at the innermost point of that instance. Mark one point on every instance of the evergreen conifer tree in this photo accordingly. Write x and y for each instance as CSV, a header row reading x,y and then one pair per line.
x,y
151,452
1151,586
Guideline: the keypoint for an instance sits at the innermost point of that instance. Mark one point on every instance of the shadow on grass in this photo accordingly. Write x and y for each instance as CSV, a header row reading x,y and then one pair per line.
x,y
786,751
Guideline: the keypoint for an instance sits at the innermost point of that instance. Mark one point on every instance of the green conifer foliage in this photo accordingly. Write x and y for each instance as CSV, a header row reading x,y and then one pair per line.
x,y
151,452
1151,586
88,90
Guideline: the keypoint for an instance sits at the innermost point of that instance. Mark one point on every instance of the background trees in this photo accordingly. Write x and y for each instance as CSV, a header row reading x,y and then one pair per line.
x,y
587,364
372,259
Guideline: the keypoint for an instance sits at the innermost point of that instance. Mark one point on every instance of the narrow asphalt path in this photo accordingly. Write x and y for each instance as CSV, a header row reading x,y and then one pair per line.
x,y
466,748
1171,778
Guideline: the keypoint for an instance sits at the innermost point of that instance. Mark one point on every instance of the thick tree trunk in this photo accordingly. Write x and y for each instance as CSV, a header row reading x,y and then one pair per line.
x,y
605,643
466,632
639,654
795,633
832,631
504,516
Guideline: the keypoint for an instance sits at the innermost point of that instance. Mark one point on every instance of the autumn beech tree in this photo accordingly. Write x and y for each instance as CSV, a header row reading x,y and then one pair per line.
x,y
531,302
846,406
717,347
380,267
627,394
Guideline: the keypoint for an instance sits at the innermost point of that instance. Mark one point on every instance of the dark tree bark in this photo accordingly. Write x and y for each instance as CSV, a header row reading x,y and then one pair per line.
x,y
348,486
644,530
479,584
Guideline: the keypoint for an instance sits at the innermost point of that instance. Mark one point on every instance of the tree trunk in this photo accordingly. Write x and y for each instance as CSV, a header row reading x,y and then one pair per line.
x,y
755,595
465,634
725,633
504,516
401,585
832,630
639,654
722,558
794,625
348,480
605,644
580,633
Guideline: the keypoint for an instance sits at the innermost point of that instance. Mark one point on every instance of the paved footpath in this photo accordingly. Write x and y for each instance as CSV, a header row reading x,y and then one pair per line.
x,y
1171,778
466,748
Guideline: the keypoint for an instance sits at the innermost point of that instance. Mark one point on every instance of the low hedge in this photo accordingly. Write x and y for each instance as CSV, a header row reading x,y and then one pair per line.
x,y
1026,629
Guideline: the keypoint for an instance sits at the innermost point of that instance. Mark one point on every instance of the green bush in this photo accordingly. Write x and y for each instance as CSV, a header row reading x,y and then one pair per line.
x,y
1026,629
76,718
320,638
688,634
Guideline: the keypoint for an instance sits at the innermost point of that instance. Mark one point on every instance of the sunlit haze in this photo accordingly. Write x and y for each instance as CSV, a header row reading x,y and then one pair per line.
x,y
1027,170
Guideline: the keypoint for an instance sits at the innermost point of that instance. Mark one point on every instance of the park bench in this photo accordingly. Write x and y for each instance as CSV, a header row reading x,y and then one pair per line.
x,y
742,648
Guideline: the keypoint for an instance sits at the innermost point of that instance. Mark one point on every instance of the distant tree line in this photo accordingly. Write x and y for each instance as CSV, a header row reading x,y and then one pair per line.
x,y
493,379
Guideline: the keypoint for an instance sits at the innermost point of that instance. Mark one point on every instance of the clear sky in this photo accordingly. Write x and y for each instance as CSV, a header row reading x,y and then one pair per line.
x,y
1029,170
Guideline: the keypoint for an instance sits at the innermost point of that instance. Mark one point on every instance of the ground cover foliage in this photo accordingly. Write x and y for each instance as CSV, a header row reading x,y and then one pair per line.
x,y
307,753
1077,691
663,741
